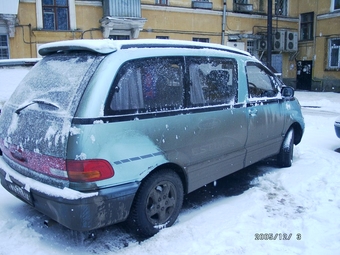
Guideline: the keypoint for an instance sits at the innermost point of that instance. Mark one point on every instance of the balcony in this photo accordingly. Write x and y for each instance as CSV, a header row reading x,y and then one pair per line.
x,y
122,18
202,5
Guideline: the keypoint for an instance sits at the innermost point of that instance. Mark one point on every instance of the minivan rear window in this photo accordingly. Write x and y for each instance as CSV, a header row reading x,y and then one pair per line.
x,y
55,82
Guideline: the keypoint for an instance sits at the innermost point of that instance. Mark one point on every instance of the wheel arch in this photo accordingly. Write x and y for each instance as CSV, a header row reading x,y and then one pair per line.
x,y
298,132
177,169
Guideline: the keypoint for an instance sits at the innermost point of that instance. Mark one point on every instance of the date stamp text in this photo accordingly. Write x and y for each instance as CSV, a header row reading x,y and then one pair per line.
x,y
277,236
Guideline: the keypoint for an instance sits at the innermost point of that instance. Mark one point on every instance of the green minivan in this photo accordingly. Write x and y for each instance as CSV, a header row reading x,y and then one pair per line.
x,y
103,131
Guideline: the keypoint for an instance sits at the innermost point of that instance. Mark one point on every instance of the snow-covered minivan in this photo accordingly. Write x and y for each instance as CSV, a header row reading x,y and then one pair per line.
x,y
103,131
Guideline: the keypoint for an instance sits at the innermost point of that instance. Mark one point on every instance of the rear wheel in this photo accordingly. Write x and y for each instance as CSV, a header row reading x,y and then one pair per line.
x,y
285,157
157,203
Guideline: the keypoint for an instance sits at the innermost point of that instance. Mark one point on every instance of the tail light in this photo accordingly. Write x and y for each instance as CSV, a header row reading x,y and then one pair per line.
x,y
74,170
89,170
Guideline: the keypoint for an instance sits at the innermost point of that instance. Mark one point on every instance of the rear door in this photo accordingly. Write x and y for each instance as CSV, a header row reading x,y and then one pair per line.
x,y
265,116
35,122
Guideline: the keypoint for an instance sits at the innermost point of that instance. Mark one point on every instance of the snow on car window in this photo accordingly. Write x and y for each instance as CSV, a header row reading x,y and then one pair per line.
x,y
54,80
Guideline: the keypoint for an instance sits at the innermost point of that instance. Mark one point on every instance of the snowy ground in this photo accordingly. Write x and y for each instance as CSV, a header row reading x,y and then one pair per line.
x,y
298,207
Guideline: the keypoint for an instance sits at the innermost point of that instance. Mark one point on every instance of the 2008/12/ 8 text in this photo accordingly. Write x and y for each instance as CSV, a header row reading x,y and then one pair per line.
x,y
276,236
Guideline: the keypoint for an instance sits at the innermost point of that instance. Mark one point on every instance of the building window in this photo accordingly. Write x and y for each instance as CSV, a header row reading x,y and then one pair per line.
x,y
251,47
162,37
162,2
119,37
241,1
334,53
196,39
55,14
306,26
4,51
281,8
335,5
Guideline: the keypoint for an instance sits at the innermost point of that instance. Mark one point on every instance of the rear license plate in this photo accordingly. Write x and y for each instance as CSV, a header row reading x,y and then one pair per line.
x,y
20,192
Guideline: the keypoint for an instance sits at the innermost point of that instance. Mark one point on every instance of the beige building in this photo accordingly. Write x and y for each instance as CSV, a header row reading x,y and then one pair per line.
x,y
305,43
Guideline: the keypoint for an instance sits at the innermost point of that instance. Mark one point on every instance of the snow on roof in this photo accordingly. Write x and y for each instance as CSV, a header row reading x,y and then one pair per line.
x,y
106,46
19,62
101,46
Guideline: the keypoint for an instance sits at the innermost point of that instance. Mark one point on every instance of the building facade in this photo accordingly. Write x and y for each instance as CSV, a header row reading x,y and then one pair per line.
x,y
305,34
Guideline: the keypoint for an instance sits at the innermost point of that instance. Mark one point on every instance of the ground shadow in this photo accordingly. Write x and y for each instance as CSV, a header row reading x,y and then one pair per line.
x,y
231,185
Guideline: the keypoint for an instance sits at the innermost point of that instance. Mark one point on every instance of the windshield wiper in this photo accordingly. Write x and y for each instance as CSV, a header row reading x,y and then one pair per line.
x,y
37,101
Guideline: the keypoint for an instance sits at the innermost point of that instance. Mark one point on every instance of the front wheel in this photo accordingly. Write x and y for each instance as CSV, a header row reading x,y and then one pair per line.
x,y
157,203
285,156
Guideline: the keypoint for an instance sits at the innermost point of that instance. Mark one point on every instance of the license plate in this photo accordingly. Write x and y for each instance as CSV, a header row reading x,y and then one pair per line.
x,y
20,192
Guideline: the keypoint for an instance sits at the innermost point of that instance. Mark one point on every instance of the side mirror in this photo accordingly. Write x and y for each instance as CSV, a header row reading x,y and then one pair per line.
x,y
287,92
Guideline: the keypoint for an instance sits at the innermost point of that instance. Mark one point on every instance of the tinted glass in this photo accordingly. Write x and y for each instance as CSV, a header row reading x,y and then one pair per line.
x,y
212,80
149,85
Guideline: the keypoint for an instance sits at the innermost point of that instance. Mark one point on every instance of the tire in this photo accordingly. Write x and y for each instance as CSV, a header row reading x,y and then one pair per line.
x,y
157,203
285,156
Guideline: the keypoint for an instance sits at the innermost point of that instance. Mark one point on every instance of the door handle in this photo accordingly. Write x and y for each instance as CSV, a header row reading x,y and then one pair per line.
x,y
252,112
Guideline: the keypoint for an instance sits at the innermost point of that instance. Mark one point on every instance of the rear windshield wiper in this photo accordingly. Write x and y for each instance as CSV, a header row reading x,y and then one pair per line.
x,y
37,101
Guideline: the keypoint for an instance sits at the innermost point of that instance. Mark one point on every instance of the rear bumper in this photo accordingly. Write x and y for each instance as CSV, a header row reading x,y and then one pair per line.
x,y
73,209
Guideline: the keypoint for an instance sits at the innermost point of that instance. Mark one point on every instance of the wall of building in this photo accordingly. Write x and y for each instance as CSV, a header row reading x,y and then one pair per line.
x,y
193,23
28,37
181,21
325,79
326,25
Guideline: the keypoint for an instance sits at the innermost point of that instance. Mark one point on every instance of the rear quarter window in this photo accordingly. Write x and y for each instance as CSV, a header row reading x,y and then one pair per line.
x,y
145,85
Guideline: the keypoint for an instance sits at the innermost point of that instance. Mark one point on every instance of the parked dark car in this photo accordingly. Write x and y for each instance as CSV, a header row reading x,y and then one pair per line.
x,y
337,127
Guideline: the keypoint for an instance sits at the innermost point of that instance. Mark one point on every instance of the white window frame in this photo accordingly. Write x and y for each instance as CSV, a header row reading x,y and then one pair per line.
x,y
333,6
72,14
330,47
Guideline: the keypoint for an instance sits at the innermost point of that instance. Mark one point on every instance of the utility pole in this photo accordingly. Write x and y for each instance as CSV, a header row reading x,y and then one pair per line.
x,y
269,33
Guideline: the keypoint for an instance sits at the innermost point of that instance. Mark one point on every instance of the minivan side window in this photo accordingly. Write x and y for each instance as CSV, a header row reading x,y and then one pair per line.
x,y
151,84
212,80
261,83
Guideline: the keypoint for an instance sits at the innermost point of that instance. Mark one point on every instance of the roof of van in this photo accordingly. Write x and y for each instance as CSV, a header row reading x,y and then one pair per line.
x,y
106,46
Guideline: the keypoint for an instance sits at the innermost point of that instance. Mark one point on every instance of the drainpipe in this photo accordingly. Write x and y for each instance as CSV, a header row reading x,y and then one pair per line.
x,y
224,20
269,33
